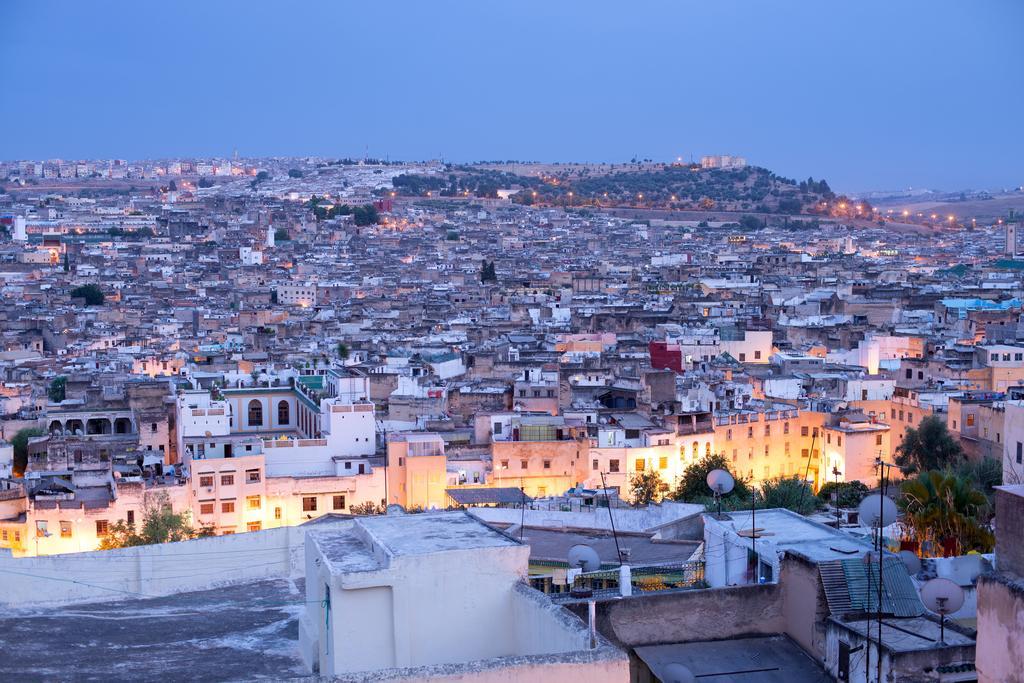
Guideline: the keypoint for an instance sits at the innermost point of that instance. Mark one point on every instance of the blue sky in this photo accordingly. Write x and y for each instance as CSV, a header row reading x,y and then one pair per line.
x,y
869,94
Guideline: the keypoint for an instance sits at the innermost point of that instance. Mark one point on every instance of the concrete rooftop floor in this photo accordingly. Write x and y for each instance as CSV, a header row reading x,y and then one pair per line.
x,y
242,632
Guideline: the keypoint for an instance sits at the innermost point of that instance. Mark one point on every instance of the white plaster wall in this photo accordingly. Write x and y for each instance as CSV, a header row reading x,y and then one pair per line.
x,y
153,570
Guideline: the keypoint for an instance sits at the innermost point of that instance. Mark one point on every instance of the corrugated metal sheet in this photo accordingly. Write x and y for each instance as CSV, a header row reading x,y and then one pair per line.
x,y
852,586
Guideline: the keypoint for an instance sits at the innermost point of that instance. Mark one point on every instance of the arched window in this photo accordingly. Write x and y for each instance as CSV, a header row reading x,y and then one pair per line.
x,y
255,413
695,451
707,449
283,413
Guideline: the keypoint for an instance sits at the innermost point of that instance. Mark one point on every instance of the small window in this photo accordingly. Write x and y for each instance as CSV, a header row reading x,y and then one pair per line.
x,y
253,526
252,476
102,527
277,513
641,464
309,504
227,506
206,480
547,464
523,464
65,529
804,430
130,517
152,427
757,355
613,465
206,508
595,465
497,428
878,439
662,463
253,502
339,502
227,480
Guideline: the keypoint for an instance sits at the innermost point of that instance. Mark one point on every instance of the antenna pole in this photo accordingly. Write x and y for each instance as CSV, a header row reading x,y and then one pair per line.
x,y
611,518
753,534
881,512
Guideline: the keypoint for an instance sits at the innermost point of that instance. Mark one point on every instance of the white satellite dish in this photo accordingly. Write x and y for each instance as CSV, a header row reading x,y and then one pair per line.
x,y
721,482
943,597
677,673
877,511
911,561
582,556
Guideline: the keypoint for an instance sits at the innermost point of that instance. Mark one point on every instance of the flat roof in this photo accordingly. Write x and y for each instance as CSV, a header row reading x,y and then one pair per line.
x,y
771,659
788,531
425,533
908,635
243,632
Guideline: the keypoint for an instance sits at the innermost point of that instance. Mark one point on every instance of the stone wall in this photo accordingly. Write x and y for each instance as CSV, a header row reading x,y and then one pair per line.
x,y
1000,649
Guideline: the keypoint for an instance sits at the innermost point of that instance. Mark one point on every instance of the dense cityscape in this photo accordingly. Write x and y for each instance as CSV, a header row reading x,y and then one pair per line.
x,y
493,343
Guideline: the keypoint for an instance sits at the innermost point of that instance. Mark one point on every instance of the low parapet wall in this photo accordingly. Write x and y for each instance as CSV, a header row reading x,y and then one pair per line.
x,y
154,570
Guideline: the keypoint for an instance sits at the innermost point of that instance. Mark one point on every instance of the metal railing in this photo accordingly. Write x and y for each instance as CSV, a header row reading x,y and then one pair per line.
x,y
604,584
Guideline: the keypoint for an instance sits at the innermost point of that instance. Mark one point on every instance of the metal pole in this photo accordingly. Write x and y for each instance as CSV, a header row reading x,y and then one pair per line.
x,y
881,509
592,620
753,534
611,518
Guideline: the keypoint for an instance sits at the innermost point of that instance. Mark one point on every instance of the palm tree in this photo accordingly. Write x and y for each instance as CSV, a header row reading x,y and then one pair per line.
x,y
942,506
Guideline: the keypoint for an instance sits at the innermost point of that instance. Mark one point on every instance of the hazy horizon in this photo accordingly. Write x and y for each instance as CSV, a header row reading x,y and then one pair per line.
x,y
877,96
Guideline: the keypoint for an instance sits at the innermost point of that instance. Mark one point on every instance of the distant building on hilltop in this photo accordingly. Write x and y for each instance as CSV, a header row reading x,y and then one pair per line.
x,y
722,161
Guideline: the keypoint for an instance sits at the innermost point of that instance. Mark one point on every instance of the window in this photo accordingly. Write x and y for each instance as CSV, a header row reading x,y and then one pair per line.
x,y
309,504
542,491
206,480
65,529
130,517
227,480
785,428
750,432
743,357
277,513
613,465
523,464
839,439
252,476
728,435
910,373
227,506
970,420
255,413
767,430
894,413
757,355
547,464
878,439
662,463
1020,452
102,527
253,526
253,502
641,464
804,430
504,464
206,508
632,433
595,465
338,502
497,428
863,394
283,413
78,457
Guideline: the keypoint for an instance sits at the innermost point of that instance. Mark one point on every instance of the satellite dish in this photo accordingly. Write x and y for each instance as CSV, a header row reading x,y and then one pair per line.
x,y
911,561
870,508
582,556
942,596
720,481
677,673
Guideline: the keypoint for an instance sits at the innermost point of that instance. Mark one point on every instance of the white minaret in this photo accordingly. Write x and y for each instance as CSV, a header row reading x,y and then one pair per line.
x,y
1011,239
19,229
270,236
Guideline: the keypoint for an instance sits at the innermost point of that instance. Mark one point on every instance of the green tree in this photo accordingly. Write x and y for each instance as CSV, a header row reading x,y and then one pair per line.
x,y
693,487
928,447
940,506
160,524
366,215
58,389
645,487
791,493
851,493
294,173
281,235
20,443
342,351
172,186
92,294
750,223
487,272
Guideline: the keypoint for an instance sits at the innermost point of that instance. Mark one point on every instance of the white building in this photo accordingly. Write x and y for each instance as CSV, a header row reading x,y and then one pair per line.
x,y
438,593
